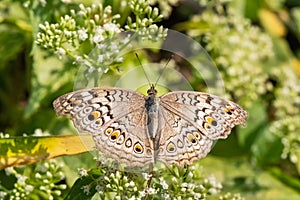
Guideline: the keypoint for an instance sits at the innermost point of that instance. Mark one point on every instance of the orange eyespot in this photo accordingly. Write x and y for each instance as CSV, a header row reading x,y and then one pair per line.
x,y
138,148
191,138
76,102
108,131
94,115
229,110
196,134
171,147
209,119
71,99
115,135
99,121
207,126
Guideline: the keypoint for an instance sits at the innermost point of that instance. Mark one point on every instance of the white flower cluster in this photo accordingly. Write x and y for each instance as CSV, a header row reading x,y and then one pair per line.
x,y
42,180
230,196
93,37
238,48
169,185
287,112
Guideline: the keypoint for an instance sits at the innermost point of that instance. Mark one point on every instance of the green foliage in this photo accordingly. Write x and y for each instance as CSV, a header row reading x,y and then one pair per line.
x,y
254,44
41,181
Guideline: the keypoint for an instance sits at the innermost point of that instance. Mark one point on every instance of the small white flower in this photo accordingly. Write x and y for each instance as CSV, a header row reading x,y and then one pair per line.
x,y
212,191
145,175
67,33
43,3
48,174
151,191
9,171
78,60
99,188
21,179
66,1
91,69
57,192
143,193
101,46
118,175
46,181
111,28
87,63
29,188
293,158
184,185
190,174
131,184
82,34
86,189
2,194
98,38
62,186
164,185
38,175
100,58
197,195
120,59
82,172
166,196
26,5
60,52
106,178
127,39
38,132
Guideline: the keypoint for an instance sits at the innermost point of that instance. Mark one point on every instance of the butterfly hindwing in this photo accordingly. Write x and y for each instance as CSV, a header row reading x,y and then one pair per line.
x,y
180,142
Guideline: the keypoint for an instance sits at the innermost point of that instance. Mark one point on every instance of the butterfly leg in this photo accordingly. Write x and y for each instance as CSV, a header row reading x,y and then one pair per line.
x,y
150,174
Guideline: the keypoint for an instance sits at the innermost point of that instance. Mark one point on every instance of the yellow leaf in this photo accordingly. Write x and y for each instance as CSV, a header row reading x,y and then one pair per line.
x,y
272,23
26,150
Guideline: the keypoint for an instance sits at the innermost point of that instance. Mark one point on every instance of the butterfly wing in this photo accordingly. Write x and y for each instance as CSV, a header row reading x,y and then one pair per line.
x,y
116,118
193,121
180,142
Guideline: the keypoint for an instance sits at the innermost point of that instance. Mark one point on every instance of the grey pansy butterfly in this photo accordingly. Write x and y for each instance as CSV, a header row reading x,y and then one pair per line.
x,y
175,128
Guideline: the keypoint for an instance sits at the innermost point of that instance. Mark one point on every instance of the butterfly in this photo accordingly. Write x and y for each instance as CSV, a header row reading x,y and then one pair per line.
x,y
176,128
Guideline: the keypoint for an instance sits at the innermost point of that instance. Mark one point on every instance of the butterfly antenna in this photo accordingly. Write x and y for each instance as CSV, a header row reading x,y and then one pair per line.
x,y
163,70
137,56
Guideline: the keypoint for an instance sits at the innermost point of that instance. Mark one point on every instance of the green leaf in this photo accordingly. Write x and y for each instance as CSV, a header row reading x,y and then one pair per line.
x,y
257,139
77,191
49,75
239,176
285,178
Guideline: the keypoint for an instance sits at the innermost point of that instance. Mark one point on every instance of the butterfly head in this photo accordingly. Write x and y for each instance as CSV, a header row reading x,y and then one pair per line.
x,y
152,91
